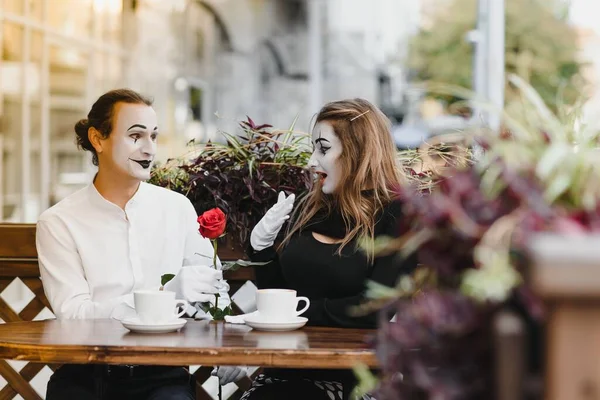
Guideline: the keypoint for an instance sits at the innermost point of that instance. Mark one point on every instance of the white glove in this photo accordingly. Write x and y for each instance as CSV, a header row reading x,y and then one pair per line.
x,y
195,283
197,309
228,374
123,311
264,233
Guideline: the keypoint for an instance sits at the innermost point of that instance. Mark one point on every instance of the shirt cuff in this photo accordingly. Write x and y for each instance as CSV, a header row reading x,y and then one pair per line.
x,y
191,310
263,255
128,300
125,309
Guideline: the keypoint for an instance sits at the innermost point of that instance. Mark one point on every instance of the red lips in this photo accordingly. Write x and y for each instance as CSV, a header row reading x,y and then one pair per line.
x,y
322,175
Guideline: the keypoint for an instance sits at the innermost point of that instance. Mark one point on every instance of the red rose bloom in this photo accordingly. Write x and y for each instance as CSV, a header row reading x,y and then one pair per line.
x,y
212,223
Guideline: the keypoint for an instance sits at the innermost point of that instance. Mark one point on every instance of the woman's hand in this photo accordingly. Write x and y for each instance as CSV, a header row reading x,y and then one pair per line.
x,y
264,233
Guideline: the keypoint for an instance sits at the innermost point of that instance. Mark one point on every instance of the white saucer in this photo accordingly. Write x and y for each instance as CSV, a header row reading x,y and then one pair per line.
x,y
271,326
135,325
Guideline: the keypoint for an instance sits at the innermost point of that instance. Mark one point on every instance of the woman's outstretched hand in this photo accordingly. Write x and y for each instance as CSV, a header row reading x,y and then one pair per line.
x,y
264,233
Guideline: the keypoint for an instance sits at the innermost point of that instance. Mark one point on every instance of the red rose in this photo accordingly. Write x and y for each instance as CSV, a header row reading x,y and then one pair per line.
x,y
212,223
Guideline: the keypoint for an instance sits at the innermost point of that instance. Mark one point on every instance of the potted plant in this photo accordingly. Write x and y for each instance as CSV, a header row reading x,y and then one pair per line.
x,y
241,177
470,234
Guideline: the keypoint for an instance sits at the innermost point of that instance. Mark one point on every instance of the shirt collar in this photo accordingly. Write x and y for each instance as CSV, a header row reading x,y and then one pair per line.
x,y
99,201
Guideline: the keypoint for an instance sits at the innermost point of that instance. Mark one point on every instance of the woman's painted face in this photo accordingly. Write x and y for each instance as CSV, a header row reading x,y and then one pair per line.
x,y
325,157
131,146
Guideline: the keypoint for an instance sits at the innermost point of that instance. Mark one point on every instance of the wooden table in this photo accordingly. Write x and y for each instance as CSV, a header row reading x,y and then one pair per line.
x,y
198,343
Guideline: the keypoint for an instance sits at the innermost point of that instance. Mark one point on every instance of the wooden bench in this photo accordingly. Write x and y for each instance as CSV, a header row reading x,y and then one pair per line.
x,y
18,259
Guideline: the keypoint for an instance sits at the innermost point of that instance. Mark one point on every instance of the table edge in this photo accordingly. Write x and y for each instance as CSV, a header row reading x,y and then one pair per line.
x,y
89,354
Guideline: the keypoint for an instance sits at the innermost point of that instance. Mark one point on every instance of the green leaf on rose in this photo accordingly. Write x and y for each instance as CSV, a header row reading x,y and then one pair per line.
x,y
166,278
219,314
205,306
235,265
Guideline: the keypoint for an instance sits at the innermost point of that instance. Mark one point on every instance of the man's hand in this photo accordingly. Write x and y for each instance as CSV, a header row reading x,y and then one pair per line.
x,y
228,374
195,283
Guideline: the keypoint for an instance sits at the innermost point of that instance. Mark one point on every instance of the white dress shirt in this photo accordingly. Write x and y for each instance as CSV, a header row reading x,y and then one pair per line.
x,y
93,254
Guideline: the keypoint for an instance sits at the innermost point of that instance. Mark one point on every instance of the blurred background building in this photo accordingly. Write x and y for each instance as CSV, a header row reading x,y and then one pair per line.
x,y
207,63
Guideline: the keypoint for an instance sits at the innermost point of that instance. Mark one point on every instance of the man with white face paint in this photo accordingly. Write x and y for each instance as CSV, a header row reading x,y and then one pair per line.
x,y
134,145
102,243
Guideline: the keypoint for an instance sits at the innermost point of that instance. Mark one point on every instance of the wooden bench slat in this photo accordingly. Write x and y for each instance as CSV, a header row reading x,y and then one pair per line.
x,y
32,309
28,267
16,381
36,286
4,282
201,375
7,313
21,267
54,367
17,240
28,372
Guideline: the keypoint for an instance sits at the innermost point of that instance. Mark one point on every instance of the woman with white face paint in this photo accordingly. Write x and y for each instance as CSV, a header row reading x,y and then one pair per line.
x,y
355,169
107,240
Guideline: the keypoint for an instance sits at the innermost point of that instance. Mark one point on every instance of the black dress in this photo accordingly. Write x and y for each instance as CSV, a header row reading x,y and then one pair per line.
x,y
333,283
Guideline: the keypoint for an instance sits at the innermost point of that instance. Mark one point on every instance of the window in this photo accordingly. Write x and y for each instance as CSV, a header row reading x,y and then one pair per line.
x,y
57,56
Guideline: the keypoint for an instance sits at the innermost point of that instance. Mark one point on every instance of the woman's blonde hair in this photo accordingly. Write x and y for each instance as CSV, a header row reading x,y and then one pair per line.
x,y
367,162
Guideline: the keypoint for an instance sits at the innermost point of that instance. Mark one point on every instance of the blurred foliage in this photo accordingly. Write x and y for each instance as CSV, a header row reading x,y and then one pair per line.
x,y
470,233
541,47
170,175
426,166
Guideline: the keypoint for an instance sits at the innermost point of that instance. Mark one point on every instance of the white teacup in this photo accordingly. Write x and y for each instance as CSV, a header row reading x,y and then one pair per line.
x,y
279,304
157,306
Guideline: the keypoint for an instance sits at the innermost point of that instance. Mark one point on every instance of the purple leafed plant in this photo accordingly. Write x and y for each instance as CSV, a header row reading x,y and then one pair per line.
x,y
440,345
244,176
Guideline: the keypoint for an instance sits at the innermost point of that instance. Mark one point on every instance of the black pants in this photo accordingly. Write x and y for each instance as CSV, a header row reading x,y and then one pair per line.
x,y
99,382
266,387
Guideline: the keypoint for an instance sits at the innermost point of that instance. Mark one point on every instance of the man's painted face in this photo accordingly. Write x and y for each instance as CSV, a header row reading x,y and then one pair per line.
x,y
133,139
325,157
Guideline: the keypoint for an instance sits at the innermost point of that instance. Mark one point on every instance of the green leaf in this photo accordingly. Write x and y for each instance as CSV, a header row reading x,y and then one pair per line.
x,y
236,145
219,314
415,241
534,98
290,131
559,185
205,306
235,265
367,382
382,245
166,278
376,290
251,162
552,160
